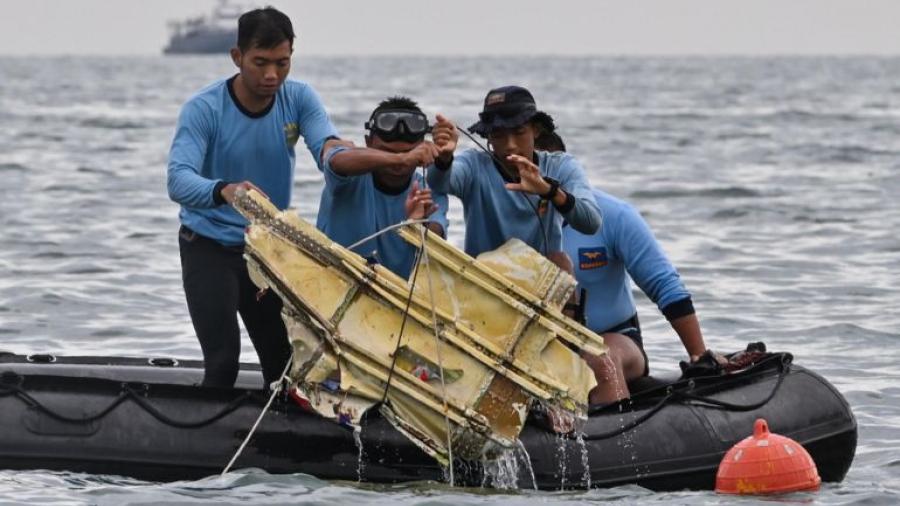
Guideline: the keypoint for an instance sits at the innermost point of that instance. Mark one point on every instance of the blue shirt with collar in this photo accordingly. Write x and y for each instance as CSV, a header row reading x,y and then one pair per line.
x,y
353,207
494,214
217,140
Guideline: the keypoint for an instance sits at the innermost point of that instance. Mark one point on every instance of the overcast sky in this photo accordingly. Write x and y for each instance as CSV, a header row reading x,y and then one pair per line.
x,y
480,26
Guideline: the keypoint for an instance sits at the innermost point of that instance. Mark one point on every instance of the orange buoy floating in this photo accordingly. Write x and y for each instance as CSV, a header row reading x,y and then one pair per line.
x,y
766,463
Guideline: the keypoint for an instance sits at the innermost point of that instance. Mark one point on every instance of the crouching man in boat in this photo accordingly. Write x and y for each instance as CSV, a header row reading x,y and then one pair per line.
x,y
369,189
510,190
604,261
240,133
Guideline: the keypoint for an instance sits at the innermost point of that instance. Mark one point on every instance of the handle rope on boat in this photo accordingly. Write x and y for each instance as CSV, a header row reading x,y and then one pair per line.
x,y
126,394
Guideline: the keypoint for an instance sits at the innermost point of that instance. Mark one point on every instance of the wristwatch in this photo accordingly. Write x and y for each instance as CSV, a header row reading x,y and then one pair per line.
x,y
554,187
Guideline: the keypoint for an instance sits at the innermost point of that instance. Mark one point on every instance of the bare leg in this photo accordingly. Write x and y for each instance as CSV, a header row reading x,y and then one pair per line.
x,y
623,362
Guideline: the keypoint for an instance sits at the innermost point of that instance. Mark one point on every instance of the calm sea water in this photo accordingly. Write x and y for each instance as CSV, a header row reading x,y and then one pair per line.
x,y
773,184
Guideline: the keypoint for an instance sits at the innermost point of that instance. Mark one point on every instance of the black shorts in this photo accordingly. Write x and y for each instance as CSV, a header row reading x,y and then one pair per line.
x,y
631,328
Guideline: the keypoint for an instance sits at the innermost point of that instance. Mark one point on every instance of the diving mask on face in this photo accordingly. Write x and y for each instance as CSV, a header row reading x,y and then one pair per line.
x,y
398,125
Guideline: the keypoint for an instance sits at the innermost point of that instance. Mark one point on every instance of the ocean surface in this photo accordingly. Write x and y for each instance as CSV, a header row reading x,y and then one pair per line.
x,y
772,183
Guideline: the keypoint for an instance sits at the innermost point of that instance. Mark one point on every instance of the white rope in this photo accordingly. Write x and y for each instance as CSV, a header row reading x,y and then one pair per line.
x,y
276,388
437,345
384,230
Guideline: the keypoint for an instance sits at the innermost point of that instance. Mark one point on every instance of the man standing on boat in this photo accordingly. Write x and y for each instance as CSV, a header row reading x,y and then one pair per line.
x,y
624,249
240,133
513,191
369,189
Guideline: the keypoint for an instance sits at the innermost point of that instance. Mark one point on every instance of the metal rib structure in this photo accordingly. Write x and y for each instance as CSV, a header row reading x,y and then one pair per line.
x,y
499,331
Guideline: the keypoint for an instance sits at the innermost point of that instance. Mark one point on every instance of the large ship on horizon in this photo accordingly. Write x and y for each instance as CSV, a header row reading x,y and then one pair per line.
x,y
212,34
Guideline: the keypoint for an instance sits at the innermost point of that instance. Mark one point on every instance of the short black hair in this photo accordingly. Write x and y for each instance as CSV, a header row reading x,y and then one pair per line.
x,y
397,103
264,28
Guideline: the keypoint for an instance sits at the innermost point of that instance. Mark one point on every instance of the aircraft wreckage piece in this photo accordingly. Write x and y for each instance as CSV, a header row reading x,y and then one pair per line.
x,y
496,344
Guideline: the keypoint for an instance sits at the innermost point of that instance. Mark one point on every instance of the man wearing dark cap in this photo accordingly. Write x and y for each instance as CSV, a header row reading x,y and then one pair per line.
x,y
513,191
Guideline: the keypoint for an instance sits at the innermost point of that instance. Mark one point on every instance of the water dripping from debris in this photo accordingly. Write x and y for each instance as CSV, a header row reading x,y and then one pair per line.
x,y
527,459
626,440
361,460
561,447
502,471
585,460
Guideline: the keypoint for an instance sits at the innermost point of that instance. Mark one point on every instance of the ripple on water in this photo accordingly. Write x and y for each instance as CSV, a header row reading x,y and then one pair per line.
x,y
95,170
712,193
114,124
88,270
64,188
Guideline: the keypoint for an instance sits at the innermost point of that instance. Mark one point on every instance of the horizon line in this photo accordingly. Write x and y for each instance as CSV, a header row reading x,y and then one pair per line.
x,y
483,55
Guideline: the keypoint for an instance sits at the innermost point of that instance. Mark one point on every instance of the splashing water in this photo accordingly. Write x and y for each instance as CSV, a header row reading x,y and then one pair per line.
x,y
561,448
626,441
585,460
527,459
361,460
502,472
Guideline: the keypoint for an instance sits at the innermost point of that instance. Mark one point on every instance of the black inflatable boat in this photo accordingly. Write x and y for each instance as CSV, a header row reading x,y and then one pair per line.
x,y
146,418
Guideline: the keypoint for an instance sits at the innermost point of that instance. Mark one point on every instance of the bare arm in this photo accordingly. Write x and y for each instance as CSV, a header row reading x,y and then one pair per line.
x,y
357,161
688,329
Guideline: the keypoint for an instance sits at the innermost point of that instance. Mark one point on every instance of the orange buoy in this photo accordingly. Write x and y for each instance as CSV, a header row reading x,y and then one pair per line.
x,y
766,463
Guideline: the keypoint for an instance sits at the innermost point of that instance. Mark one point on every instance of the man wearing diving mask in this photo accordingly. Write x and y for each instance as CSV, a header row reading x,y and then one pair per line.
x,y
513,191
368,189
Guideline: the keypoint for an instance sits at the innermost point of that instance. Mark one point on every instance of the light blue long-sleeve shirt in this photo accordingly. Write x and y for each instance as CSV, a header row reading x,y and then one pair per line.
x,y
352,208
217,140
603,261
494,214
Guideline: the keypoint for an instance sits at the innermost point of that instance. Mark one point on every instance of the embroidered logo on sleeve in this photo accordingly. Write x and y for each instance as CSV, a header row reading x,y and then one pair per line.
x,y
592,258
291,133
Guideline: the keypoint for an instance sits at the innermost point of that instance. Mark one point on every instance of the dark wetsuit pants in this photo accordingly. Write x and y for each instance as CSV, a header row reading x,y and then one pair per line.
x,y
217,288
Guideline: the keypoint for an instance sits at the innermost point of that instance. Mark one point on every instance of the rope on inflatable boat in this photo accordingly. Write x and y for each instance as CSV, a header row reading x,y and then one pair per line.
x,y
276,387
675,395
126,394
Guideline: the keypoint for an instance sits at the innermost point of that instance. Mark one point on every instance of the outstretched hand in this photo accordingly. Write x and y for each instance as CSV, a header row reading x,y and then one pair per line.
x,y
419,203
530,179
445,136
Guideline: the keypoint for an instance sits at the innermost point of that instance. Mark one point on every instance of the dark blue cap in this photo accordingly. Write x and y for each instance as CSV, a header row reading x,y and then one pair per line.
x,y
506,107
